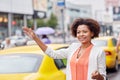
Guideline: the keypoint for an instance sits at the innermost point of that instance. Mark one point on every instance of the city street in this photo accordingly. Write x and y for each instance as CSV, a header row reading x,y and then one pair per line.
x,y
78,36
114,75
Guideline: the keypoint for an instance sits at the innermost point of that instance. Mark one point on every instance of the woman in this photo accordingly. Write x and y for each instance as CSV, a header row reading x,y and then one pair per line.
x,y
84,60
8,43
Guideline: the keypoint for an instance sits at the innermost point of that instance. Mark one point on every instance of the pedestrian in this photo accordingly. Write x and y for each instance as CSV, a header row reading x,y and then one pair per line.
x,y
45,39
8,44
85,61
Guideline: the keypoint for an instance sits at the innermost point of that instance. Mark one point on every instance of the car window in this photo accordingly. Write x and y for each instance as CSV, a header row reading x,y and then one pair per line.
x,y
60,63
114,41
19,63
99,43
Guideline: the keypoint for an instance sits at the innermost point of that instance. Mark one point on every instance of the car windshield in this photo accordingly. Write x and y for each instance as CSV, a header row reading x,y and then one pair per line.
x,y
19,63
99,43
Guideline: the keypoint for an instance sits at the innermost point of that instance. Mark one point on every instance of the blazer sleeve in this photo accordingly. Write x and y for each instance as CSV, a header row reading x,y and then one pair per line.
x,y
102,63
58,54
62,53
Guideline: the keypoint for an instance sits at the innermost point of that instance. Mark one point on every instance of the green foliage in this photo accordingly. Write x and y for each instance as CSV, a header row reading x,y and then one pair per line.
x,y
30,23
41,23
51,22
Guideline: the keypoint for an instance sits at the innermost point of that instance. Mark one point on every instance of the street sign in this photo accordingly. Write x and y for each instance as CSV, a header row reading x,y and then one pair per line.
x,y
61,3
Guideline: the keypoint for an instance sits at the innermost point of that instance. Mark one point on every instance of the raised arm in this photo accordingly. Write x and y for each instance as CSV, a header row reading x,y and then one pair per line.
x,y
32,35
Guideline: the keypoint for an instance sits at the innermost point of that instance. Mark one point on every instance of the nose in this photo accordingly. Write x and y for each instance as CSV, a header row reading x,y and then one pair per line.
x,y
81,33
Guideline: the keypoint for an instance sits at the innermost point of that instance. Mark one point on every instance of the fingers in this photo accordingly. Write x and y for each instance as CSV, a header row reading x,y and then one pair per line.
x,y
95,75
28,31
25,29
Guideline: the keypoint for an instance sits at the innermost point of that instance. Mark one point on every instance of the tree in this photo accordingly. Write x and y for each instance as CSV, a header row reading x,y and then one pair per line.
x,y
52,22
41,23
30,23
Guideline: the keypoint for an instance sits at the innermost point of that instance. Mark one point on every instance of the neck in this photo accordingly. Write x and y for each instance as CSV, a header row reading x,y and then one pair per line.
x,y
86,45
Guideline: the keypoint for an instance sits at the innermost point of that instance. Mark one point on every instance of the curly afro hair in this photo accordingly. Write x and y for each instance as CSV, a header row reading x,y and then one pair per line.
x,y
92,24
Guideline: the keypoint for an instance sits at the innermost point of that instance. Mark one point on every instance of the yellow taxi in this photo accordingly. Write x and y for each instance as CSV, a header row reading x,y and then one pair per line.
x,y
108,43
30,63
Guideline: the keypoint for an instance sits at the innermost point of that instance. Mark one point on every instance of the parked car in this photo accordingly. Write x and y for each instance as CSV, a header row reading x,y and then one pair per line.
x,y
108,43
30,63
17,40
1,46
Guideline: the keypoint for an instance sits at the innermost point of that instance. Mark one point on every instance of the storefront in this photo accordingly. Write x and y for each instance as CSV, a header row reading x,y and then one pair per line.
x,y
16,24
13,16
3,25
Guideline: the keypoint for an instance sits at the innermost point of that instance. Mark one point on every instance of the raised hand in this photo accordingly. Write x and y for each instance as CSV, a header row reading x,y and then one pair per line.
x,y
29,32
32,35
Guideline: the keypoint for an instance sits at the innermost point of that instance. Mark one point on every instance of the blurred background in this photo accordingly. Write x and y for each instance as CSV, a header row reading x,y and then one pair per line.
x,y
51,20
57,14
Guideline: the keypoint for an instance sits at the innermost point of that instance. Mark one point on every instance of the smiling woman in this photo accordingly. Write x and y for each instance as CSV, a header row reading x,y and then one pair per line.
x,y
88,66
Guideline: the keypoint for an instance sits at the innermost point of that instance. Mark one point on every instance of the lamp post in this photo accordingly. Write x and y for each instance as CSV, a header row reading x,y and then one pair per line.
x,y
61,4
63,27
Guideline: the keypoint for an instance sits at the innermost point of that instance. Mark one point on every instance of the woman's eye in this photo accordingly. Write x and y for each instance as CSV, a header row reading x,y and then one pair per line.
x,y
78,32
84,31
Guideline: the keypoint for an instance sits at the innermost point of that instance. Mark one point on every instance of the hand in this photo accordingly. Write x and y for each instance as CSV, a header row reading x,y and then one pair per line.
x,y
29,32
96,75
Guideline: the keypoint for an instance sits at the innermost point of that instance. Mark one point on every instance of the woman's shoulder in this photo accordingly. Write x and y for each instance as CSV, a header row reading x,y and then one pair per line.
x,y
98,49
74,46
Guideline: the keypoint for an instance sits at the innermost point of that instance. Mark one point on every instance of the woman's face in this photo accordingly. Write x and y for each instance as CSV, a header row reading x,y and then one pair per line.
x,y
84,34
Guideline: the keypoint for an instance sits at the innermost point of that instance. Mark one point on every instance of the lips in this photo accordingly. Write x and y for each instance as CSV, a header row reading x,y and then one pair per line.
x,y
81,39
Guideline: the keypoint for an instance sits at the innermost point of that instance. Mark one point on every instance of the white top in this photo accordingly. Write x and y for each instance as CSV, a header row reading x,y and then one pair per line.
x,y
97,59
